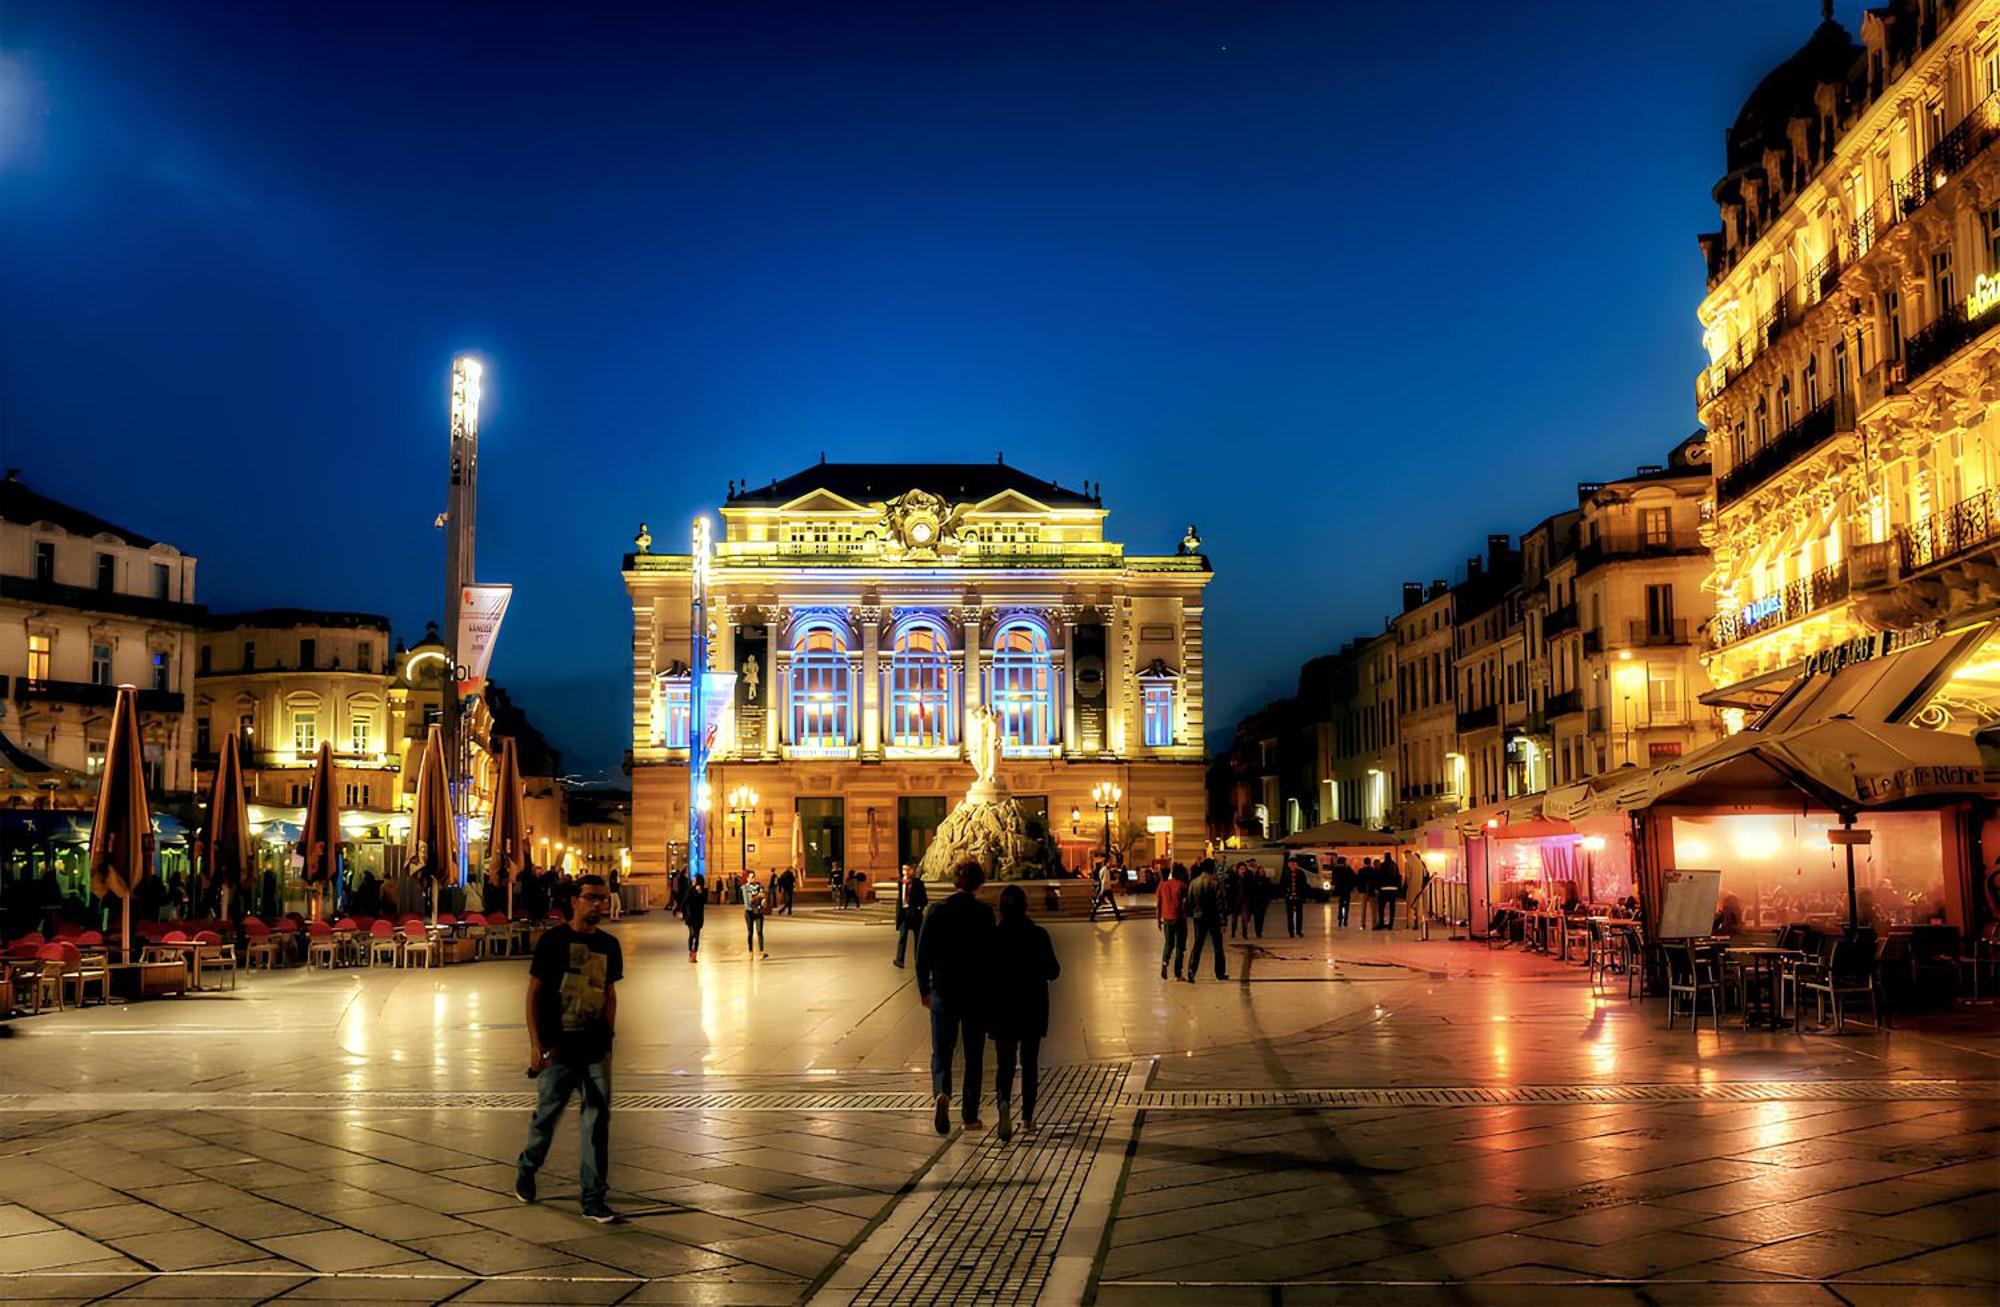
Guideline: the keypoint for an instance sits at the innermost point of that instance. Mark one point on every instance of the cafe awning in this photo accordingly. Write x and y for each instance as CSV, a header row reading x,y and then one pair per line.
x,y
1339,835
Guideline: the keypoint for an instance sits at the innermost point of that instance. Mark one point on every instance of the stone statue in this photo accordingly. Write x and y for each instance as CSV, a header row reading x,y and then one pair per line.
x,y
982,749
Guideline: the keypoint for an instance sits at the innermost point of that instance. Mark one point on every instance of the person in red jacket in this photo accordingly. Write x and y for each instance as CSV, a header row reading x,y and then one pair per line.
x,y
1170,908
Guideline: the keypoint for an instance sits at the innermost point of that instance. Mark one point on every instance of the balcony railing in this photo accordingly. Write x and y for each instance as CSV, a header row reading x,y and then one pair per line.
x,y
1808,594
1478,719
1831,418
1952,331
1559,620
1564,704
89,694
1645,631
1635,544
1943,536
1593,641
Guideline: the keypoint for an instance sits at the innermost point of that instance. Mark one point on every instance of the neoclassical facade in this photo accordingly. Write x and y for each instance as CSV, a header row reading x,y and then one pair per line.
x,y
863,609
1853,293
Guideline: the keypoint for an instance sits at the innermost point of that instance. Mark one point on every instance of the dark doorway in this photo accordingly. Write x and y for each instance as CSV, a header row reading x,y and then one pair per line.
x,y
917,819
822,837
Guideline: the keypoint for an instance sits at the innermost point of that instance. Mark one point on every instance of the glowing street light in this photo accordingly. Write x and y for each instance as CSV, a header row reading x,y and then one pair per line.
x,y
743,806
1107,797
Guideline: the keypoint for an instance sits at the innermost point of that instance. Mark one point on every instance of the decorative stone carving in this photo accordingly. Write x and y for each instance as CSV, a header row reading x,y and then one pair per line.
x,y
919,524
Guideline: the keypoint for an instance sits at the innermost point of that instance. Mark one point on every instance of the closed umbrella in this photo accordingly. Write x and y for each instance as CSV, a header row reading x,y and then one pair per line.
x,y
507,853
433,833
226,842
119,858
321,842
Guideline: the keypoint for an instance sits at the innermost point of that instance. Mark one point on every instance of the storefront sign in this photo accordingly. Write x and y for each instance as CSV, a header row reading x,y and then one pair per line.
x,y
1087,685
1759,609
1865,648
1985,294
1918,780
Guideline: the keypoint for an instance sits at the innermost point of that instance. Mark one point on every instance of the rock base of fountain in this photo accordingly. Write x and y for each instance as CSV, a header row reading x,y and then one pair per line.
x,y
996,832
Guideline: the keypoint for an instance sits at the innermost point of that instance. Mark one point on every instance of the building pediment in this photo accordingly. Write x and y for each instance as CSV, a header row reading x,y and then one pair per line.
x,y
825,501
1011,502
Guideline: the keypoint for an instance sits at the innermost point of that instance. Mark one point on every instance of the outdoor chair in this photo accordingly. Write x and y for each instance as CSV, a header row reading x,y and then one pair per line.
x,y
1597,952
420,947
1693,970
383,944
1577,930
50,977
74,972
258,944
213,953
472,926
322,948
1850,973
1819,958
1983,953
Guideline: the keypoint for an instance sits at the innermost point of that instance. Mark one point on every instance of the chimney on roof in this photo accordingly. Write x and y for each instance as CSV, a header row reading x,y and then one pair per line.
x,y
1497,549
1440,588
1413,596
1473,568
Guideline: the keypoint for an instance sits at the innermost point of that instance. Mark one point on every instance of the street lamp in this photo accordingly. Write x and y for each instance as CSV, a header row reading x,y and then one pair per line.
x,y
1630,680
743,806
1107,798
1592,845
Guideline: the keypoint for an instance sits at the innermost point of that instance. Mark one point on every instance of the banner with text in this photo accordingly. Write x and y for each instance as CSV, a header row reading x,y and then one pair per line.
x,y
480,609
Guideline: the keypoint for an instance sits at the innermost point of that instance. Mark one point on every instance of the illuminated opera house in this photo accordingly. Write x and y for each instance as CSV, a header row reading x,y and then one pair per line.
x,y
857,613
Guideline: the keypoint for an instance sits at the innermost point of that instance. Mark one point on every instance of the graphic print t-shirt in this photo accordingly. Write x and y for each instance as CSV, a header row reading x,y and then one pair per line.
x,y
576,970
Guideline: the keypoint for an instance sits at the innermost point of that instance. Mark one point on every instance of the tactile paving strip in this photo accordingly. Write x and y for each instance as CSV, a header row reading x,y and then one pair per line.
x,y
1152,1100
990,1233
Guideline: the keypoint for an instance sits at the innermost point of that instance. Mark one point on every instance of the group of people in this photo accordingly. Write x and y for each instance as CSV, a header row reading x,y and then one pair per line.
x,y
984,978
1380,881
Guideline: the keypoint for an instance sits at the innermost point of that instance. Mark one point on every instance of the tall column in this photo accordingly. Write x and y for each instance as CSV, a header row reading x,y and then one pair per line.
x,y
1070,612
1191,677
777,701
871,681
1114,678
969,617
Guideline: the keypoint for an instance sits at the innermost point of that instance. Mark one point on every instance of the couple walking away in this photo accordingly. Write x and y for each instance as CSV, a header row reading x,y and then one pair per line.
x,y
1179,904
979,978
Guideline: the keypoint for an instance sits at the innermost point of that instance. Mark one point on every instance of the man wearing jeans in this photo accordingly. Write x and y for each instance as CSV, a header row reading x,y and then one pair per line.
x,y
572,1008
953,953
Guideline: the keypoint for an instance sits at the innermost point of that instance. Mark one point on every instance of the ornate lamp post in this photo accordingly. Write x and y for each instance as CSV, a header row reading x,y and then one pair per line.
x,y
743,806
1107,797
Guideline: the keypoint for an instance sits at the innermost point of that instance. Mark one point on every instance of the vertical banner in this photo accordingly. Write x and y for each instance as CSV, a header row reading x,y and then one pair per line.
x,y
1087,686
753,644
717,690
480,610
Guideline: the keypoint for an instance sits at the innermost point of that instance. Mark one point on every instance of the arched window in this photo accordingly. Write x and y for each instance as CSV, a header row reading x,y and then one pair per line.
x,y
821,695
1022,687
920,708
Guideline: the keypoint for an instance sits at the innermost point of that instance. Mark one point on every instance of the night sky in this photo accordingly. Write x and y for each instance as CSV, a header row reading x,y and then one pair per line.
x,y
1348,285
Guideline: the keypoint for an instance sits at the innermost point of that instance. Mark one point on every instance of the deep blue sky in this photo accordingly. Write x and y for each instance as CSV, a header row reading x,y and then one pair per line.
x,y
1349,285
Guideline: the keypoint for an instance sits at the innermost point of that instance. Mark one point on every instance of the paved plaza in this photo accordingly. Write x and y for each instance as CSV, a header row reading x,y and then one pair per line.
x,y
1352,1117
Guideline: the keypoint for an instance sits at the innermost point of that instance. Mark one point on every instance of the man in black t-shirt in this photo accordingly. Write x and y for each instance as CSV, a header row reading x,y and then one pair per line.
x,y
572,1009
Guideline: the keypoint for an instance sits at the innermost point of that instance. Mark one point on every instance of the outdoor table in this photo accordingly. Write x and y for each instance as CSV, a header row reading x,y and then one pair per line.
x,y
147,979
186,948
1758,965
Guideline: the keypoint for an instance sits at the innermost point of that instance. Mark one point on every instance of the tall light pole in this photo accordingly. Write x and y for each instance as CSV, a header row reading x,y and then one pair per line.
x,y
1107,798
697,709
743,806
461,523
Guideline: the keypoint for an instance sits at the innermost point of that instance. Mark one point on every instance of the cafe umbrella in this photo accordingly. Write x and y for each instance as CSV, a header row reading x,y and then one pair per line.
x,y
120,856
321,842
433,833
507,853
226,843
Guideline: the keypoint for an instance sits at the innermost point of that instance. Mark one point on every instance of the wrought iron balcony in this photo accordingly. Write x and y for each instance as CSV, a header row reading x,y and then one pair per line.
x,y
1635,544
1943,536
1808,594
89,694
1559,620
1565,704
1952,331
1831,418
1478,719
1593,641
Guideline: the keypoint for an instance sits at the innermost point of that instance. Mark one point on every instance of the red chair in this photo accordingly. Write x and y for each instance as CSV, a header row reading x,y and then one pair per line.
x,y
213,953
90,939
383,944
49,978
321,946
68,931
258,943
32,937
24,948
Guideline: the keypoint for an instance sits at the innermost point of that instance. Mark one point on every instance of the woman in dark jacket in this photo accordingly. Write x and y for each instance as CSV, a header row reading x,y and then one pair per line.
x,y
1024,962
694,910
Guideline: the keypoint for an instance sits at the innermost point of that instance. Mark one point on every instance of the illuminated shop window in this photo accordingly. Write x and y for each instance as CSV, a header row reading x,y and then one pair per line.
x,y
1021,686
674,712
821,694
920,708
